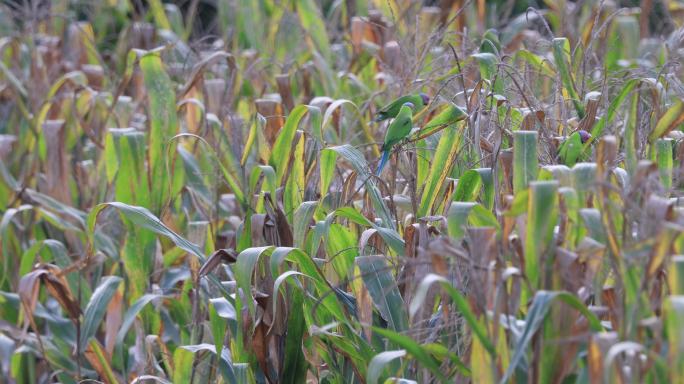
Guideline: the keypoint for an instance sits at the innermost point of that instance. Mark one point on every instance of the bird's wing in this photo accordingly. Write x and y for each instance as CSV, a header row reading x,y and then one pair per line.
x,y
400,127
397,102
571,148
417,101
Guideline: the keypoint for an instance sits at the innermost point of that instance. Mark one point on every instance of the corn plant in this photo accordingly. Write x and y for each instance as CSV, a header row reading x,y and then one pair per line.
x,y
190,195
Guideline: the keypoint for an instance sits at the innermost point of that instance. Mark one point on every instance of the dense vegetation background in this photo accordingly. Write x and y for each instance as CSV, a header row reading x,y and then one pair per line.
x,y
188,192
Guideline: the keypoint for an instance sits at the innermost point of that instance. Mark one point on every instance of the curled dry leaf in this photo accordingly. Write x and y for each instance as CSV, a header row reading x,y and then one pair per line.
x,y
55,283
220,256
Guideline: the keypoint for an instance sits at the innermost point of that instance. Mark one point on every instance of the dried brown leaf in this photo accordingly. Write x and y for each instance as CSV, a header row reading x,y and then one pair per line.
x,y
276,215
28,289
285,90
506,159
259,343
225,256
99,362
215,91
258,225
57,286
272,111
113,321
599,346
57,168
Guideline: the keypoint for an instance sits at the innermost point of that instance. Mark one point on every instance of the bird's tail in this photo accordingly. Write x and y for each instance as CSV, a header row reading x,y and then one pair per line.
x,y
383,161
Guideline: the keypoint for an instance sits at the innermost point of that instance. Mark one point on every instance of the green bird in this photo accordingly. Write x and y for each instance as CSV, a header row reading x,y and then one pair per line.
x,y
397,130
570,150
391,110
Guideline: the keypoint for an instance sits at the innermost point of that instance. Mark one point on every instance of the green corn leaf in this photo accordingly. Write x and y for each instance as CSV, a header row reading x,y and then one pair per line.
x,y
348,348
103,360
217,324
630,138
664,159
343,244
327,166
247,15
413,349
613,108
457,218
302,221
144,218
379,362
584,177
673,117
194,177
248,259
183,362
488,63
442,162
16,83
468,186
561,55
58,207
462,214
520,203
382,287
558,172
624,30
423,161
175,19
282,148
295,365
536,62
95,310
482,217
294,186
314,25
361,167
675,275
592,220
132,313
163,125
157,10
572,205
525,163
461,304
125,165
244,268
229,178
535,317
391,237
447,117
542,217
487,194
353,215
674,316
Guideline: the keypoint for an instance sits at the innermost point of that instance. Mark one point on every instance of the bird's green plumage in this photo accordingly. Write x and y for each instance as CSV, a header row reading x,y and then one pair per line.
x,y
570,150
399,128
392,109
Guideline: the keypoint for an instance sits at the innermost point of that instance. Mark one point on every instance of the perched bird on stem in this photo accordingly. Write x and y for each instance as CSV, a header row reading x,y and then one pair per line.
x,y
570,150
398,129
391,110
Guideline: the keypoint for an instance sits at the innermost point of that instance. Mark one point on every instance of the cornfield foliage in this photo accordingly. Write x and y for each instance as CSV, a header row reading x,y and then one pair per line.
x,y
193,199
